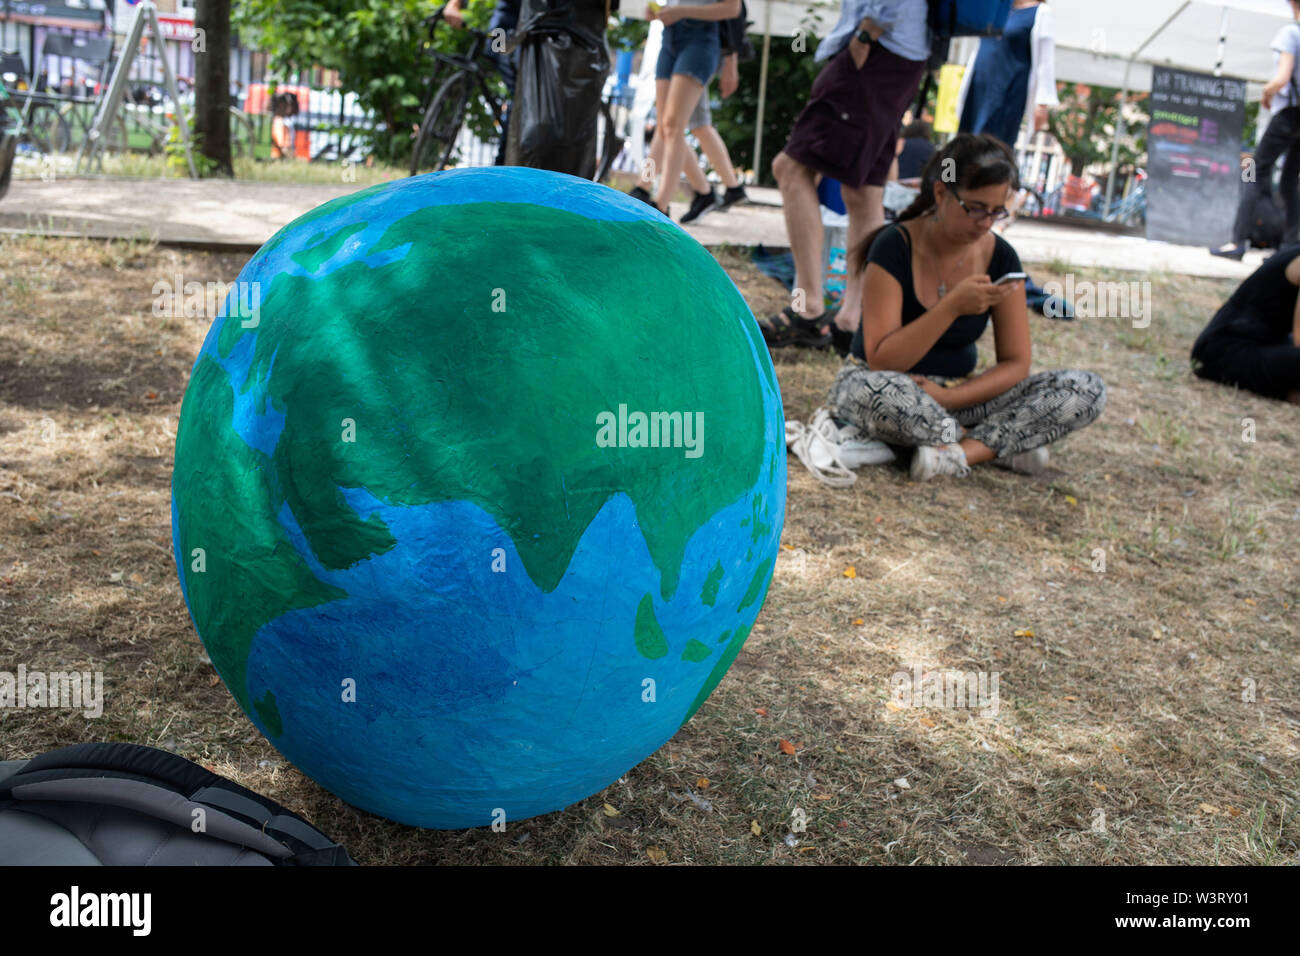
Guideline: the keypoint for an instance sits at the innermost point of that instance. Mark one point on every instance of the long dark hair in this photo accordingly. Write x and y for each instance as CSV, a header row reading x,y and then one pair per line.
x,y
970,161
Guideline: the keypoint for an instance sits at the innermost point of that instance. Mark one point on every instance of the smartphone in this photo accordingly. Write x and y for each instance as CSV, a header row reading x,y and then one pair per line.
x,y
1012,277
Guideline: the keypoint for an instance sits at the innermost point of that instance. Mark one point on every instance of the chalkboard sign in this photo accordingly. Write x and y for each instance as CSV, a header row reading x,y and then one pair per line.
x,y
1194,156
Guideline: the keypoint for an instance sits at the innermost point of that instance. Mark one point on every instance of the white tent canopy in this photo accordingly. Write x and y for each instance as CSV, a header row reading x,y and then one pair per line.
x,y
1097,39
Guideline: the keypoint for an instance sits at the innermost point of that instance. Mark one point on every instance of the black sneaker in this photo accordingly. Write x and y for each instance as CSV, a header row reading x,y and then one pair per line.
x,y
732,196
641,194
701,204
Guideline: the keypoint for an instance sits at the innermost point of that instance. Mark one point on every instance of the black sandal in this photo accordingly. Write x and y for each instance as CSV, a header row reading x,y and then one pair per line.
x,y
788,327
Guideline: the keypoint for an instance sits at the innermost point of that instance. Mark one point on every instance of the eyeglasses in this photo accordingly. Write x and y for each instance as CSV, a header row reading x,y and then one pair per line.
x,y
979,213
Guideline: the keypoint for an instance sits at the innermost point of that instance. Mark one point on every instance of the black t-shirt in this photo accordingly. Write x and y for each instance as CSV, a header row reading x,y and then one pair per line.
x,y
916,153
1263,307
954,354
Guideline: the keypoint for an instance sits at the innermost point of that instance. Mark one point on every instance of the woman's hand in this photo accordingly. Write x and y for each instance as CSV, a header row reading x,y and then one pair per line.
x,y
668,15
975,295
933,389
729,79
453,14
859,51
1042,117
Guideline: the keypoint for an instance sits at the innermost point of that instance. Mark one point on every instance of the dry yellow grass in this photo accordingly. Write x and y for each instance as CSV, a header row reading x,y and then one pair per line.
x,y
1121,736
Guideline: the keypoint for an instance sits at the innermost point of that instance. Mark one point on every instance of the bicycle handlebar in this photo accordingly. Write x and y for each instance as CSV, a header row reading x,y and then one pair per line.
x,y
434,19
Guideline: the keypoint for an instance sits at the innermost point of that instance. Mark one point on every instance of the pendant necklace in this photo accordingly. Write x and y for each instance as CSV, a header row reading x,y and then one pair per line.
x,y
943,284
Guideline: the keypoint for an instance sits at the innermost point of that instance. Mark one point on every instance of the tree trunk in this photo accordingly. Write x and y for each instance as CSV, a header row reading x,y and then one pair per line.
x,y
212,83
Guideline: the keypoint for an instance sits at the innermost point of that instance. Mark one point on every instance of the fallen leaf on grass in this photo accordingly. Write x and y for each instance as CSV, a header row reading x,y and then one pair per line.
x,y
890,705
612,812
1024,632
821,796
927,722
850,572
807,849
786,747
754,828
214,680
1208,808
902,784
761,711
1099,786
1232,811
1070,697
702,783
656,855
842,825
1071,500
1118,749
858,621
840,750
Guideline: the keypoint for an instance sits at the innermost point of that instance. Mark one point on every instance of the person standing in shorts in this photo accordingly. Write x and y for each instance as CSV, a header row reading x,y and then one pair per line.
x,y
875,58
688,58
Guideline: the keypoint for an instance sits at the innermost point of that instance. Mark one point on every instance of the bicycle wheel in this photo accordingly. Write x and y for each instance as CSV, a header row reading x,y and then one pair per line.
x,y
47,130
441,126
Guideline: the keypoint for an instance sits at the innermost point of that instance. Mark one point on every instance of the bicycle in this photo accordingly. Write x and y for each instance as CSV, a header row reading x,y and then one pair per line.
x,y
436,139
445,116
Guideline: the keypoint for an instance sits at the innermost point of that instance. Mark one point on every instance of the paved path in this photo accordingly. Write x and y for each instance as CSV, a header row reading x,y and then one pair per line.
x,y
243,215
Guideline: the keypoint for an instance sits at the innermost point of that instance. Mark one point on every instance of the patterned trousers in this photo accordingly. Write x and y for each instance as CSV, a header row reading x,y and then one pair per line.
x,y
1036,411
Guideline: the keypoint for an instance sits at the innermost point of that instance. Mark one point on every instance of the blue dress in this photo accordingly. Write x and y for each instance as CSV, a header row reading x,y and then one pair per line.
x,y
999,84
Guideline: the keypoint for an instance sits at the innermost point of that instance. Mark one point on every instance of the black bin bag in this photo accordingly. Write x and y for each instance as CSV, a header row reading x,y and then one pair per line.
x,y
563,64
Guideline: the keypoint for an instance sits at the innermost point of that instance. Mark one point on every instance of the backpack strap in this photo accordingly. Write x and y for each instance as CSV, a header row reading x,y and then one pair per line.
x,y
152,801
167,787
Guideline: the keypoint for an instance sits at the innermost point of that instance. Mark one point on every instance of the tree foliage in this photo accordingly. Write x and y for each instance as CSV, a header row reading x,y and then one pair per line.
x,y
790,75
1085,126
375,45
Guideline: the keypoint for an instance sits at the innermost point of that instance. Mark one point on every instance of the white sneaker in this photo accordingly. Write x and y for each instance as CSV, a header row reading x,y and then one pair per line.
x,y
831,452
1032,462
932,460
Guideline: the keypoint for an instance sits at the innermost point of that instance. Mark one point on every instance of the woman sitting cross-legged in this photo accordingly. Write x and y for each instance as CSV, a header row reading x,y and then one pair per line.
x,y
929,291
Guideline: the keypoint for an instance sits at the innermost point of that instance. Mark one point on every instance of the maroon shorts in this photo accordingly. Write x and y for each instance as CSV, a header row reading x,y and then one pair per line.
x,y
849,128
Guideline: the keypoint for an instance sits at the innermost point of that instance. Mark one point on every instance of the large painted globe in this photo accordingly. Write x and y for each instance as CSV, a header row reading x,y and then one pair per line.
x,y
479,483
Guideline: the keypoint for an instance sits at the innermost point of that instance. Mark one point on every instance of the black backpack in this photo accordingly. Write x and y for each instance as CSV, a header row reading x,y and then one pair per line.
x,y
115,804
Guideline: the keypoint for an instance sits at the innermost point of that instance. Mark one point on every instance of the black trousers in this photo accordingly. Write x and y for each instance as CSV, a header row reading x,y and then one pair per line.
x,y
1271,369
1282,137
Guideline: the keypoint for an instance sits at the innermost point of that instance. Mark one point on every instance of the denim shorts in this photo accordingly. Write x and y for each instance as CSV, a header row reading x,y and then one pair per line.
x,y
691,47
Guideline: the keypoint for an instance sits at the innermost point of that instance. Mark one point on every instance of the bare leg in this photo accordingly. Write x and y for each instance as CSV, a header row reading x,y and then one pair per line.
x,y
694,174
655,163
679,97
866,214
650,168
719,158
803,226
976,451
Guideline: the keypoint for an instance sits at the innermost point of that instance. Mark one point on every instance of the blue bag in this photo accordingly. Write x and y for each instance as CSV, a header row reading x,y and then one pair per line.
x,y
969,18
